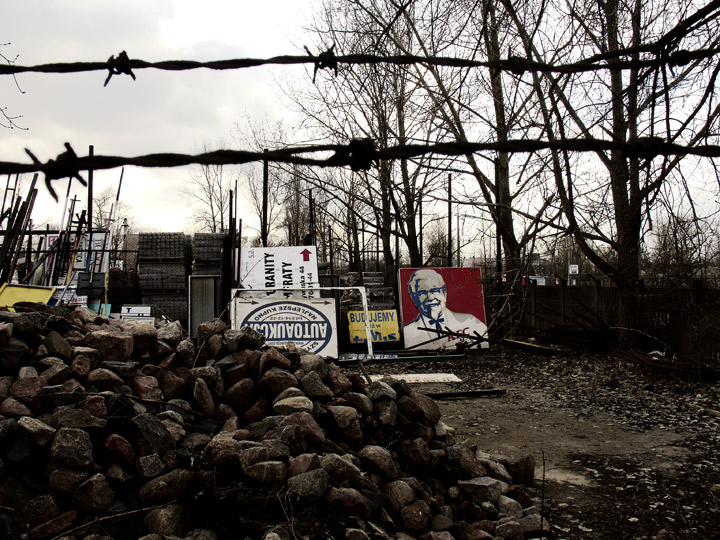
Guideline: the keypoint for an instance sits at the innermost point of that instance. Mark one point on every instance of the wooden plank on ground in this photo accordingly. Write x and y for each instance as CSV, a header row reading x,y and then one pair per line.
x,y
421,377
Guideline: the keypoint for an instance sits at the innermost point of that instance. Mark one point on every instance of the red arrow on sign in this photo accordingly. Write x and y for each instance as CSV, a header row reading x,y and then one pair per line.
x,y
306,254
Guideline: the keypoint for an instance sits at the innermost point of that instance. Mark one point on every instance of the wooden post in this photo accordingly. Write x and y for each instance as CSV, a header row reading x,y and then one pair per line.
x,y
597,296
533,300
28,253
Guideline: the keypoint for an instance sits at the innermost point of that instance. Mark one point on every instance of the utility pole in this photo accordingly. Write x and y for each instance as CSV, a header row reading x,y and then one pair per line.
x,y
125,227
377,251
449,252
362,252
397,246
312,226
231,232
457,232
222,212
422,259
498,238
264,221
91,151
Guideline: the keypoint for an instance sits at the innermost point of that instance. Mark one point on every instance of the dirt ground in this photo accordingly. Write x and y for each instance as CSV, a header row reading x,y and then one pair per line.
x,y
621,451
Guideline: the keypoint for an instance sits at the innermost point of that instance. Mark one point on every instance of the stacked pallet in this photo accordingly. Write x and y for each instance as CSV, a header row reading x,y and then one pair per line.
x,y
163,268
379,295
207,254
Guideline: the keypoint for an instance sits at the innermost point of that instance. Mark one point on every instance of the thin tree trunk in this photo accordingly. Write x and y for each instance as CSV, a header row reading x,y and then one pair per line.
x,y
625,188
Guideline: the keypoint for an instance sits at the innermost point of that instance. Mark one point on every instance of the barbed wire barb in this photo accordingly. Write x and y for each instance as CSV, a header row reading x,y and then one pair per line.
x,y
119,66
325,60
64,166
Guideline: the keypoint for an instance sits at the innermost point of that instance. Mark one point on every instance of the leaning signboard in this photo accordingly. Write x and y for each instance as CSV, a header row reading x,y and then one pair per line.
x,y
283,267
308,323
383,326
442,307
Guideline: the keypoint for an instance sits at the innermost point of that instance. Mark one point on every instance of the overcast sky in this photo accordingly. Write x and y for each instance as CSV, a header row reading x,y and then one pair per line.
x,y
161,111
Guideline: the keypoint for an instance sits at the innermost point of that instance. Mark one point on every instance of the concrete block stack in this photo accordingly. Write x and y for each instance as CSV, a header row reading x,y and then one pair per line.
x,y
163,260
207,253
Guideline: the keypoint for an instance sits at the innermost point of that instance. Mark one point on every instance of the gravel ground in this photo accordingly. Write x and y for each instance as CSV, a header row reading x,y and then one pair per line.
x,y
625,452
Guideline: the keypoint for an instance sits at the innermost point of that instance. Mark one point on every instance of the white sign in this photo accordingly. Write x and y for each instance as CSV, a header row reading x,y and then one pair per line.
x,y
293,267
574,269
135,313
98,244
81,253
308,323
67,296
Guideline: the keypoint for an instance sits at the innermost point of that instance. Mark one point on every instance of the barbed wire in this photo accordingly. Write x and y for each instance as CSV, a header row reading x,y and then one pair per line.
x,y
361,154
122,64
660,49
358,155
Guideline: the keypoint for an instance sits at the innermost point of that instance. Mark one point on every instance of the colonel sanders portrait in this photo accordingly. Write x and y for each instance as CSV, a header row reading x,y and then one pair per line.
x,y
429,293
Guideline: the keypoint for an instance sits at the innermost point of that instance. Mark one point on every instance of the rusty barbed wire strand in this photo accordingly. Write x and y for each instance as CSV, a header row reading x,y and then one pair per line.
x,y
358,155
660,48
667,41
122,64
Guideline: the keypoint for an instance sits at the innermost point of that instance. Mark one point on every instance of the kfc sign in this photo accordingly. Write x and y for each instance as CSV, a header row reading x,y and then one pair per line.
x,y
437,302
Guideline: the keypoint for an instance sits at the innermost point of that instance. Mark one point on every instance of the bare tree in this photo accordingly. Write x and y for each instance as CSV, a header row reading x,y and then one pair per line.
x,y
8,119
279,189
115,217
208,191
685,251
472,104
427,103
274,194
607,197
380,103
436,245
104,203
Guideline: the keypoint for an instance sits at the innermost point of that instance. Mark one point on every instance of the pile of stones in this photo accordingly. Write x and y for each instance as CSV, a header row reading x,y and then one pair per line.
x,y
112,429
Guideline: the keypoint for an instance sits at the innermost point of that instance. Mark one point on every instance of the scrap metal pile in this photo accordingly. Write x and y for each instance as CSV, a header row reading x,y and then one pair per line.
x,y
68,265
14,216
115,429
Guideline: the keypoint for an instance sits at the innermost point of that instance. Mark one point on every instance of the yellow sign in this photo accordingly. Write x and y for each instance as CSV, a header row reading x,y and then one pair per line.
x,y
383,326
11,293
